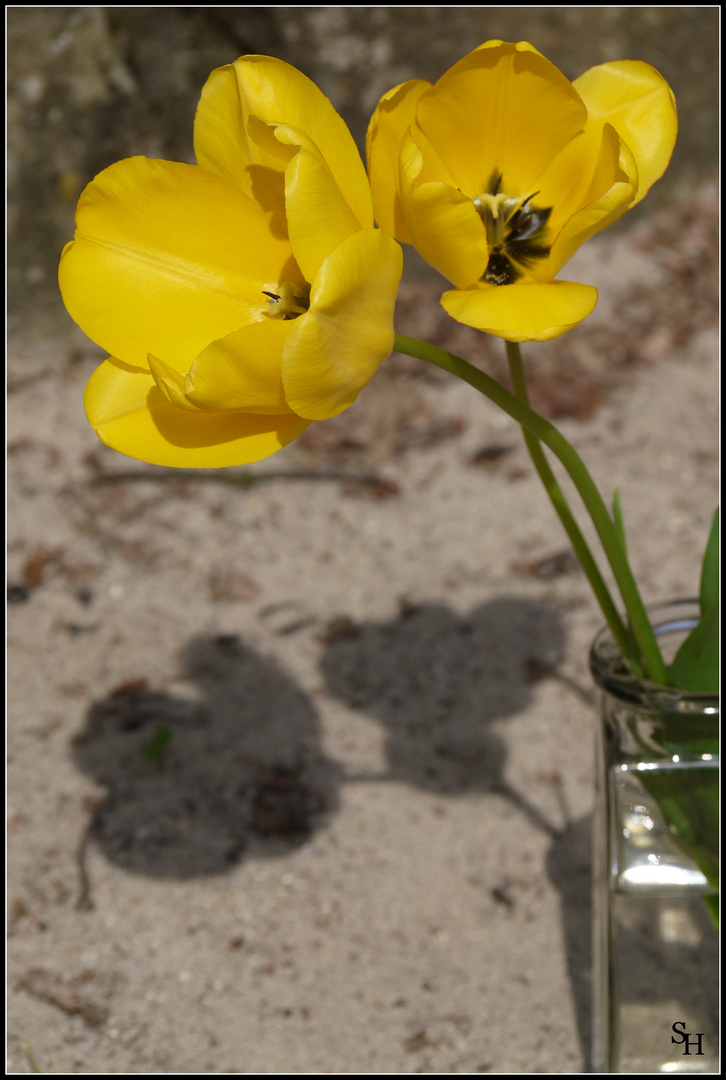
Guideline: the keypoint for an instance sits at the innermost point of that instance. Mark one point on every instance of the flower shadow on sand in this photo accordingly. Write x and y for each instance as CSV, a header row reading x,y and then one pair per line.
x,y
197,782
234,765
437,681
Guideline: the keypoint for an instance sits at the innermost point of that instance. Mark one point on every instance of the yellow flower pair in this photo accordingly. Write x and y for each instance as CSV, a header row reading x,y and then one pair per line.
x,y
244,297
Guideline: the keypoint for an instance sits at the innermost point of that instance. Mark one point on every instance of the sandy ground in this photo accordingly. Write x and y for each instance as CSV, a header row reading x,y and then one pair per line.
x,y
300,766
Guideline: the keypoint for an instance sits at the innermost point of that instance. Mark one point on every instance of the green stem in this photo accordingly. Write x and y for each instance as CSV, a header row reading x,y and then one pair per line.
x,y
561,448
562,509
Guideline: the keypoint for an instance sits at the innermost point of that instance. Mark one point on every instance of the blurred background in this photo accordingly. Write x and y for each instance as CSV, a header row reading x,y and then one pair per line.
x,y
91,85
387,864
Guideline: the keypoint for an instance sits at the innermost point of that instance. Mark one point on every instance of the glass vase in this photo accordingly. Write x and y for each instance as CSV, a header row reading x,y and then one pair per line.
x,y
655,942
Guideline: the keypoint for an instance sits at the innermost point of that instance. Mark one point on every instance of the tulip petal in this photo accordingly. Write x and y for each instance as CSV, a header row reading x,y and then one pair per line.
x,y
387,129
276,92
131,415
582,172
171,383
638,102
168,257
334,350
616,168
443,224
241,372
318,217
503,109
525,311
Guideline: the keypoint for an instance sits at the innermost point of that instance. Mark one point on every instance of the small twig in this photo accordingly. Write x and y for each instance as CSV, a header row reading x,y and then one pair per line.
x,y
85,898
239,479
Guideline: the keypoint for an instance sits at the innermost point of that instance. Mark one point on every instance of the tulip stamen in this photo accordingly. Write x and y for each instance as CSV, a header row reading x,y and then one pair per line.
x,y
290,303
515,232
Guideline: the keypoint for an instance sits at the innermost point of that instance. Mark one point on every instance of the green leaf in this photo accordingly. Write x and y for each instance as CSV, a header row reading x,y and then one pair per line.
x,y
713,908
618,520
709,571
689,800
157,744
633,650
696,663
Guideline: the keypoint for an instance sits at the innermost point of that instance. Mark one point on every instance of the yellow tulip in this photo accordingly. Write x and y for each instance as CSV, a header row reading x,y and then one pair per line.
x,y
240,298
498,172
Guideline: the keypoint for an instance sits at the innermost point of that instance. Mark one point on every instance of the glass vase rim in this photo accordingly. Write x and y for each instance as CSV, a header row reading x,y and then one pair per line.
x,y
611,672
